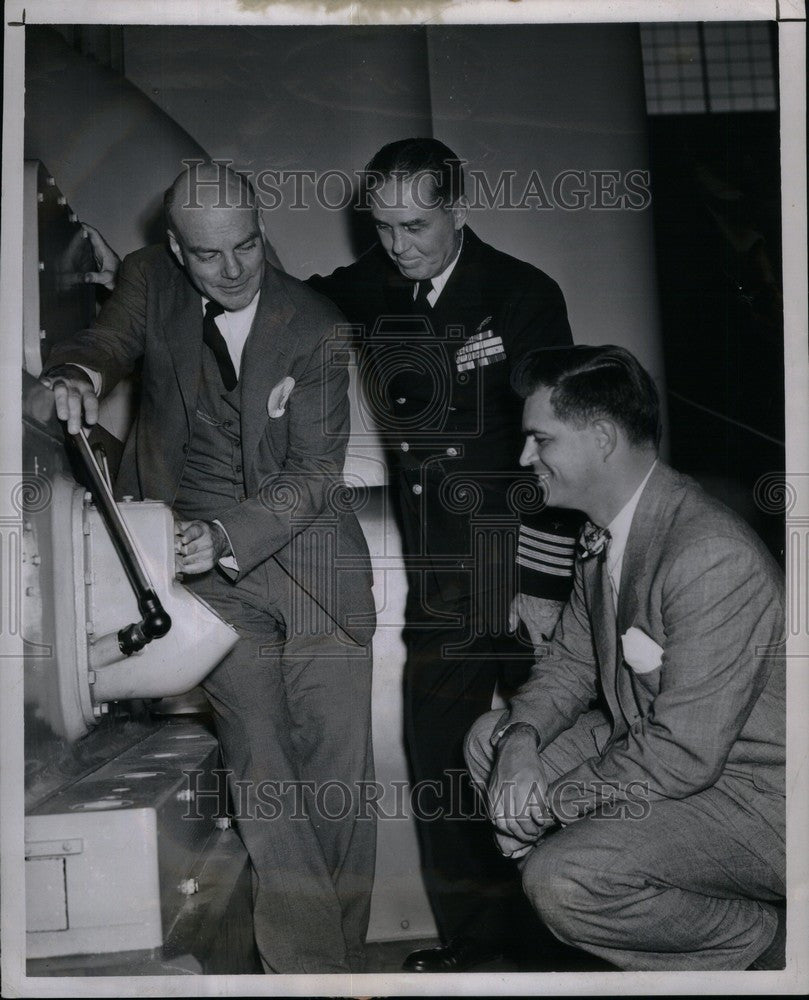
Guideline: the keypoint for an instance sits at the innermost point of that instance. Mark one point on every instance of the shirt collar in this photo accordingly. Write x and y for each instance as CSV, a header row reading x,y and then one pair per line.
x,y
441,279
246,313
619,526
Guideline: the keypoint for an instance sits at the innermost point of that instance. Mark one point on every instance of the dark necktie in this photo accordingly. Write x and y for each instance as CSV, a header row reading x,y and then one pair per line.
x,y
421,304
214,339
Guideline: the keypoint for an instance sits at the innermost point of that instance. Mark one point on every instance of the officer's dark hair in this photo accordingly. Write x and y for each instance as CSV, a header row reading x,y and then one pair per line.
x,y
588,383
408,157
207,172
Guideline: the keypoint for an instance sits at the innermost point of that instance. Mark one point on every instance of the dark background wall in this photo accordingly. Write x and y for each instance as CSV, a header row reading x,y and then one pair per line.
x,y
717,213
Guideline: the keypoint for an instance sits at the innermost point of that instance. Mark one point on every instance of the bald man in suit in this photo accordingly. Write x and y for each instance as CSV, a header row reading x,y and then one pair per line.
x,y
242,429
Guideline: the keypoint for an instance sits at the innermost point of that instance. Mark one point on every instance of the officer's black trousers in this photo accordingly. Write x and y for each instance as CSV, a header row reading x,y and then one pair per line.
x,y
450,678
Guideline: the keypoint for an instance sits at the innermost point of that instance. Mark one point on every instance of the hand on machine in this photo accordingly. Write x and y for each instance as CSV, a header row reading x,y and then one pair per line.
x,y
198,544
74,395
106,259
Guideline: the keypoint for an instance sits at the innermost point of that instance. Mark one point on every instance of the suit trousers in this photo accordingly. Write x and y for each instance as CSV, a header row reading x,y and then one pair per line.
x,y
293,715
451,672
675,884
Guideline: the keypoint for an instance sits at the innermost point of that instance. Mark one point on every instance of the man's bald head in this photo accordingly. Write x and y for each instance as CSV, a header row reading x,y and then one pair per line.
x,y
216,233
207,184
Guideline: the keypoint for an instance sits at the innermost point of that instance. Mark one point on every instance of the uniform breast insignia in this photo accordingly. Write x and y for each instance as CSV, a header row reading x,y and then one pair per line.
x,y
482,348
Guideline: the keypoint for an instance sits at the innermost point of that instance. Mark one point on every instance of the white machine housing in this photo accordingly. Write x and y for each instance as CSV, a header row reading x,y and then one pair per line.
x,y
92,589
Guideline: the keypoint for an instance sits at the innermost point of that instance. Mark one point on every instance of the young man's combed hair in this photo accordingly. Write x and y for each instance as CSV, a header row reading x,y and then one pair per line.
x,y
591,382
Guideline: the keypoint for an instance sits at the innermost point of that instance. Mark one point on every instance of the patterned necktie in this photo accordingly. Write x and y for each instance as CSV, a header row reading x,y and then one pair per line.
x,y
214,339
421,304
593,541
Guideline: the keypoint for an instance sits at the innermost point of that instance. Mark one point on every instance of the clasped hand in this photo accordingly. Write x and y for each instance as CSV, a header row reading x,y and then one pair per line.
x,y
517,795
198,546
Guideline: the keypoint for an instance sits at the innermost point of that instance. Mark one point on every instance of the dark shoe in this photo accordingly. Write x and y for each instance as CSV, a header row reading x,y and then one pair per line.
x,y
460,954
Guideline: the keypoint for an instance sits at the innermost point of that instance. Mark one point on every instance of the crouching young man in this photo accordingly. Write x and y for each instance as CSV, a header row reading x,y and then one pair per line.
x,y
638,774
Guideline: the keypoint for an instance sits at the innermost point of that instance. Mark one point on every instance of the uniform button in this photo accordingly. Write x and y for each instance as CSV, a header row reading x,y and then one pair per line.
x,y
242,498
401,400
417,490
238,468
404,446
452,452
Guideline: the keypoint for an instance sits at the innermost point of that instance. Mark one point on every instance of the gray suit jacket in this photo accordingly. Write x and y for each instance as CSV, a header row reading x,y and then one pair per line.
x,y
697,581
296,511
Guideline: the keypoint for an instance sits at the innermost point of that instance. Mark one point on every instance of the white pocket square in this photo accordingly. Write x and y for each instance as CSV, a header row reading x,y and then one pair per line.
x,y
640,652
279,396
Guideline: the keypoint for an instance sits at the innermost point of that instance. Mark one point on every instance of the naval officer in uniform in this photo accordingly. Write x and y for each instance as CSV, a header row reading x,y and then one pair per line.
x,y
443,318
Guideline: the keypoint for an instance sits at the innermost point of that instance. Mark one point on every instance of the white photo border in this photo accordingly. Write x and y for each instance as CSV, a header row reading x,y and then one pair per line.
x,y
791,30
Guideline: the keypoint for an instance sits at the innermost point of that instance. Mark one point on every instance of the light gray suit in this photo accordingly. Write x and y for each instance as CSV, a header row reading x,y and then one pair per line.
x,y
672,788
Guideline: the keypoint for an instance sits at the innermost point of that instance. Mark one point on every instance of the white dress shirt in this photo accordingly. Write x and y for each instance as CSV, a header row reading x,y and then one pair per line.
x,y
440,279
619,528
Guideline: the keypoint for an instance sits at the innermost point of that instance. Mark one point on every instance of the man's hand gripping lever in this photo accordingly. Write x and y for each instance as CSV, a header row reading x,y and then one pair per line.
x,y
74,395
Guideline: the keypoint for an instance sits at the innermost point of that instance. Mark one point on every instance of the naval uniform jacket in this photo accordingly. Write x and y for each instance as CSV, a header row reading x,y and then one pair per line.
x,y
442,400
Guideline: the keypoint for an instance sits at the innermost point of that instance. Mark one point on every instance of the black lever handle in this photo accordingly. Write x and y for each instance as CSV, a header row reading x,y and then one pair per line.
x,y
155,622
100,453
